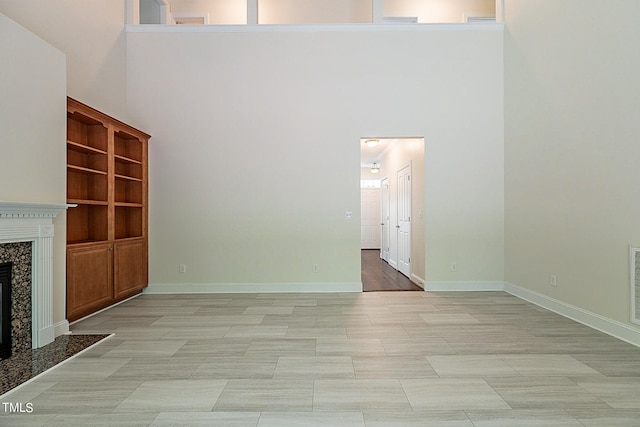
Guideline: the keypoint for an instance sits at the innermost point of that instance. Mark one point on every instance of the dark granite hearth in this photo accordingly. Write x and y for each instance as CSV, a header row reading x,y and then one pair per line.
x,y
26,364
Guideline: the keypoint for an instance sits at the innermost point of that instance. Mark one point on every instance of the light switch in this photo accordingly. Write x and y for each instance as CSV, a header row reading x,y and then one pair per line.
x,y
348,215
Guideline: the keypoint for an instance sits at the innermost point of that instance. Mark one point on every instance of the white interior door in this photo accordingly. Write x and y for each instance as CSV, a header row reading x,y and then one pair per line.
x,y
386,218
404,220
370,218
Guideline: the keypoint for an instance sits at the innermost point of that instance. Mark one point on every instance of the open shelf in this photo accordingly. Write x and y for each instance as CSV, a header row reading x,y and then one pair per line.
x,y
128,178
128,221
84,184
123,159
87,131
87,223
128,191
90,162
127,168
127,147
87,202
74,146
86,171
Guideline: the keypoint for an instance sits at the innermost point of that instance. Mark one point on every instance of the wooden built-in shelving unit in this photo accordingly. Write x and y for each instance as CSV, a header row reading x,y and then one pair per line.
x,y
107,232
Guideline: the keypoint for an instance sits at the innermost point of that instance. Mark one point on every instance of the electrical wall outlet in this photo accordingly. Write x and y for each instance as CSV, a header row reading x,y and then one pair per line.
x,y
316,268
454,266
182,268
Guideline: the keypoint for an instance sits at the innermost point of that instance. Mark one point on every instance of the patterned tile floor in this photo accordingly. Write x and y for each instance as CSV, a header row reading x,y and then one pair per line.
x,y
365,359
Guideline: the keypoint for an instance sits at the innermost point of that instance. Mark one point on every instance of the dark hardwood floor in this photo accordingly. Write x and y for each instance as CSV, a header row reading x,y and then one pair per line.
x,y
378,275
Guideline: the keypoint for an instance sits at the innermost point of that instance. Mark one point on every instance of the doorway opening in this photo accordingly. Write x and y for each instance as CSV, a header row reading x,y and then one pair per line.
x,y
392,213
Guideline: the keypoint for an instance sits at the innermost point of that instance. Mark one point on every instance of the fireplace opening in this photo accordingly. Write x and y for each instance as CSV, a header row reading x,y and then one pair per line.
x,y
5,310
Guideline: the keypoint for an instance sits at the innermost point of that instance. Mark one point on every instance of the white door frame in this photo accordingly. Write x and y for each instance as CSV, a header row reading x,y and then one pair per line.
x,y
385,220
369,218
403,217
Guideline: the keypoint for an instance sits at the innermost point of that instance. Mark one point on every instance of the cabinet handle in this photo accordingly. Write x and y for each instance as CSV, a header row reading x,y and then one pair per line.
x,y
110,249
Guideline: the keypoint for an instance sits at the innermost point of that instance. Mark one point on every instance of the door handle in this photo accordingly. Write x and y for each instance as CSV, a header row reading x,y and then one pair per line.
x,y
397,226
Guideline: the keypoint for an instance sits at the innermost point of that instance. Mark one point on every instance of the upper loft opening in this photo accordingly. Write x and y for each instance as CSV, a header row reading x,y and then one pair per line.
x,y
295,12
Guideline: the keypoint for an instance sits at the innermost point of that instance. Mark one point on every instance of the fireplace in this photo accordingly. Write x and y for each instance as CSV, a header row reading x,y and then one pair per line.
x,y
29,226
5,310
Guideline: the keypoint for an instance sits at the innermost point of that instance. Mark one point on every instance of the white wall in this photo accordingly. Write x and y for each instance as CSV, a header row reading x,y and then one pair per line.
x,y
91,34
255,151
572,96
33,123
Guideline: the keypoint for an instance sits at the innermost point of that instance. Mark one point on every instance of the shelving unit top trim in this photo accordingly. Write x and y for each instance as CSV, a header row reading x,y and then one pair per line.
x,y
77,107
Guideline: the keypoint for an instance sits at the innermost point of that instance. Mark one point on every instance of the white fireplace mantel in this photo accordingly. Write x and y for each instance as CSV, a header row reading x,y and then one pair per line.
x,y
33,222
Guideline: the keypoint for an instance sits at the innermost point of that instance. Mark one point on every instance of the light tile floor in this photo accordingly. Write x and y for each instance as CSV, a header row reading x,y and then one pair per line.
x,y
369,359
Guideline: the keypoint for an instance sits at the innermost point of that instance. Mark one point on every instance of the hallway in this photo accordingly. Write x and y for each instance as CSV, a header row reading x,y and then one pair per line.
x,y
378,275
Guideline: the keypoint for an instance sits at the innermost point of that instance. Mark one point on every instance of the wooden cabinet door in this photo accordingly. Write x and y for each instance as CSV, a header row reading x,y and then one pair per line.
x,y
89,279
130,267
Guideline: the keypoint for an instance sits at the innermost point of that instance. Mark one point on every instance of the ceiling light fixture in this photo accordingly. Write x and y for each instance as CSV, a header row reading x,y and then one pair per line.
x,y
375,168
372,142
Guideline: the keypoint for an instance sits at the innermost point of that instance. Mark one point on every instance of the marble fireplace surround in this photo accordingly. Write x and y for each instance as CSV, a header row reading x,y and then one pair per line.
x,y
33,222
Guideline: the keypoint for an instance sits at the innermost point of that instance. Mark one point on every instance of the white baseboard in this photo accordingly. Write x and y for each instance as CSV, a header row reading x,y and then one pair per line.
x,y
61,328
600,323
209,288
417,280
461,286
45,336
608,326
